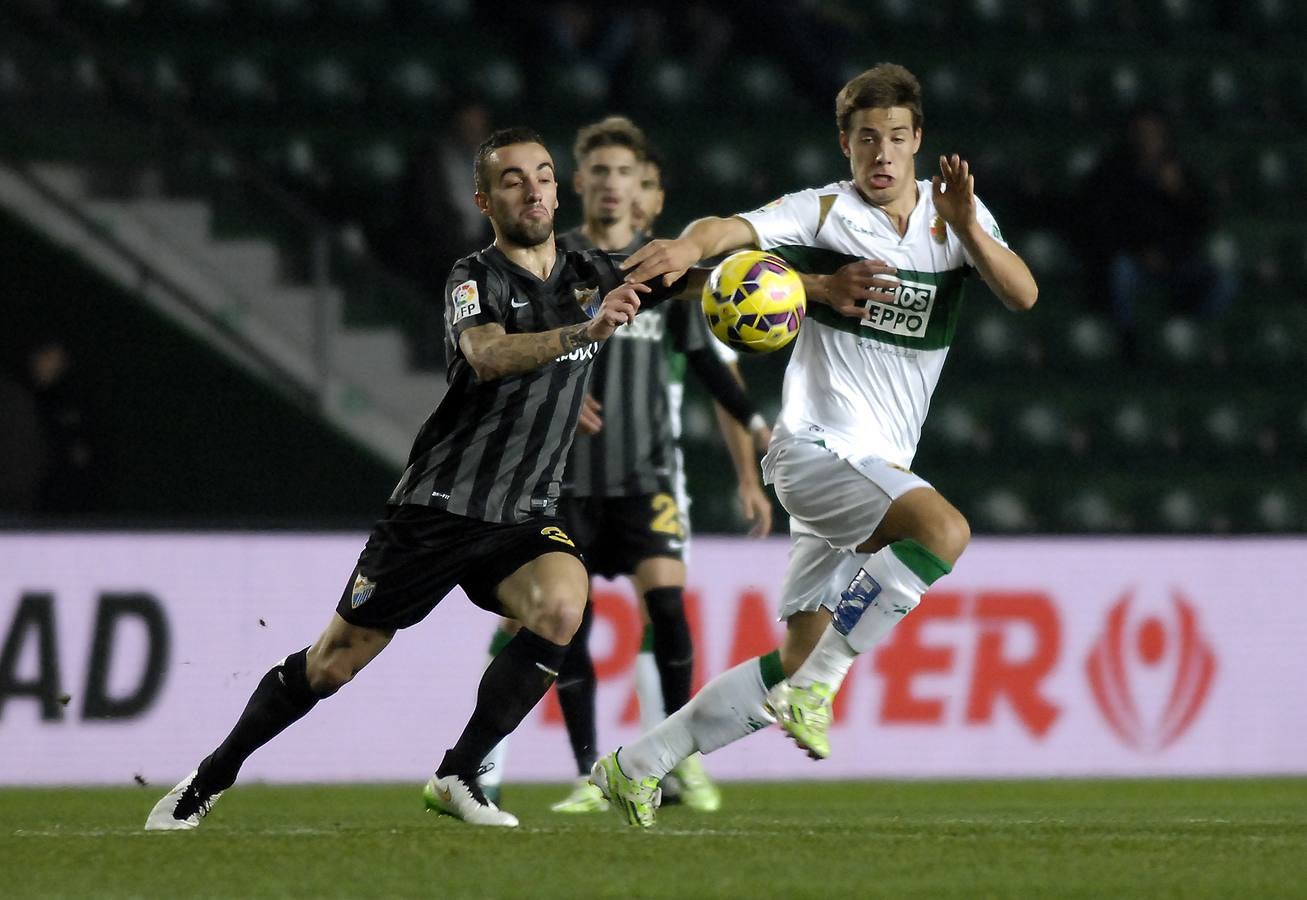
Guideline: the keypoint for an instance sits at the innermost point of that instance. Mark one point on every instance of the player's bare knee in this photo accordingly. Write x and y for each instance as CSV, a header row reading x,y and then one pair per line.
x,y
558,616
949,535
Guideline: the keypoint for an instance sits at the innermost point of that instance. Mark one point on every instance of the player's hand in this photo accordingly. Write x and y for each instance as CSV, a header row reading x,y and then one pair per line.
x,y
850,287
589,421
756,508
954,193
668,258
619,307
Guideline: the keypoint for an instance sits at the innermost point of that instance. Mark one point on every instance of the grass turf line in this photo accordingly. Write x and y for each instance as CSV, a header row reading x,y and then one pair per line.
x,y
1201,838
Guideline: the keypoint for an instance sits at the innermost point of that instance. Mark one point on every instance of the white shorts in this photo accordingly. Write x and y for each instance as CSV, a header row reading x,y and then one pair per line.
x,y
834,504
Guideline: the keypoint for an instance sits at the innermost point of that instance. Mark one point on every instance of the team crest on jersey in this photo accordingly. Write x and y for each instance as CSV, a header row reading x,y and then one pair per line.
x,y
587,298
938,230
363,588
466,301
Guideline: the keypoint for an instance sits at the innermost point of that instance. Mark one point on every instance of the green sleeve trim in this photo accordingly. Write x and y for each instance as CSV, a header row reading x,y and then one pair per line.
x,y
926,565
770,667
646,640
499,640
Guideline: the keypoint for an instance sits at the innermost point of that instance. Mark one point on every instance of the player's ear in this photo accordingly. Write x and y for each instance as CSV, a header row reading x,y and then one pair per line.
x,y
916,139
844,144
482,200
576,182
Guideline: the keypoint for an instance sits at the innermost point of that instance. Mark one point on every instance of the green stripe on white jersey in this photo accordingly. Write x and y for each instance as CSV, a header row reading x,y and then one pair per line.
x,y
922,316
863,388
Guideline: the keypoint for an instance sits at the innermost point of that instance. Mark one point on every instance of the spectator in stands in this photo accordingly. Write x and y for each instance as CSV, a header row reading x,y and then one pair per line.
x,y
439,222
1144,219
23,455
72,478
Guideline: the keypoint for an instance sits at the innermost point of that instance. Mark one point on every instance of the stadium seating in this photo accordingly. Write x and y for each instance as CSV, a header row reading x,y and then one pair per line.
x,y
1065,430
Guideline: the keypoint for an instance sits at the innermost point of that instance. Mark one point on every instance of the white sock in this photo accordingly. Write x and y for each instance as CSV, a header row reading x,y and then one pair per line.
x,y
648,690
726,709
828,662
887,587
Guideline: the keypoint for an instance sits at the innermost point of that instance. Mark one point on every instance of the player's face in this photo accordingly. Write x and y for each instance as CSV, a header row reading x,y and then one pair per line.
x,y
880,145
523,193
607,181
648,205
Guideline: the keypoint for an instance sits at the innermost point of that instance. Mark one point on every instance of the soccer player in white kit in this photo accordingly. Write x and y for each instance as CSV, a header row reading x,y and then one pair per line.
x,y
868,536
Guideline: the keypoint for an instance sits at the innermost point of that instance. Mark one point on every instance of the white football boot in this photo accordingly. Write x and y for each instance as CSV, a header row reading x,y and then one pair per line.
x,y
181,808
452,796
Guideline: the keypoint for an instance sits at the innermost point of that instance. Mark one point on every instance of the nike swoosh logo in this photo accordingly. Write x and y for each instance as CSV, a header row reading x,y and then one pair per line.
x,y
518,304
445,794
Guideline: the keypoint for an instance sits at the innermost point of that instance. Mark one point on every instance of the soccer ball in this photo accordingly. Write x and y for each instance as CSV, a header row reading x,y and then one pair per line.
x,y
754,302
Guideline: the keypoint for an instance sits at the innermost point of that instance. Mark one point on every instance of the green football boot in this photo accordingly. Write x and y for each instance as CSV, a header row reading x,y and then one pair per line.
x,y
805,714
634,801
697,790
585,798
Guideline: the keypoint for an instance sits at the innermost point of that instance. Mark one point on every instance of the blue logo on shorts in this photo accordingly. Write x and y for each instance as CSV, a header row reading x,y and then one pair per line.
x,y
363,588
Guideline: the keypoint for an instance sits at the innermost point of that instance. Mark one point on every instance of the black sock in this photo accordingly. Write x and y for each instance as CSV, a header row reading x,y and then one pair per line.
x,y
512,684
672,647
576,695
282,697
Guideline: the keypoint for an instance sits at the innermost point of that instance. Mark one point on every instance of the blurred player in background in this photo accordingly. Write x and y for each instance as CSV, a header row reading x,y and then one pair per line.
x,y
477,505
620,485
868,537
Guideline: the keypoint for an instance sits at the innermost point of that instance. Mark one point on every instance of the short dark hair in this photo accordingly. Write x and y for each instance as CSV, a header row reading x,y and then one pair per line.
x,y
518,134
614,131
880,87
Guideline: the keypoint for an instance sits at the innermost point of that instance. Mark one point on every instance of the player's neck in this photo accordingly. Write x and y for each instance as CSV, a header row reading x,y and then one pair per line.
x,y
609,236
538,260
899,210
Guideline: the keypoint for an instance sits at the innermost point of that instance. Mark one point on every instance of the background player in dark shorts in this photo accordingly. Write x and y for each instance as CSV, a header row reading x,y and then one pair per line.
x,y
477,504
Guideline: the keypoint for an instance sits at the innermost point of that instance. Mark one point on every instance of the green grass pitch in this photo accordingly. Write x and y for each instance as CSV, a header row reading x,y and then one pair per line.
x,y
1204,838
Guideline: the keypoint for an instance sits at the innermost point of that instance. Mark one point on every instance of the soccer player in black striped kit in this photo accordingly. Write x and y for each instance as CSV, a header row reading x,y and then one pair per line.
x,y
476,506
619,498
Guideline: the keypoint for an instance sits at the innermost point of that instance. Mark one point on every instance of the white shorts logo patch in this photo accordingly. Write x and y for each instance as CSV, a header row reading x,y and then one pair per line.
x,y
466,301
908,314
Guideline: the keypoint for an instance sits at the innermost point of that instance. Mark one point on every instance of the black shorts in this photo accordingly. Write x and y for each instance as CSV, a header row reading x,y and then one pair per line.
x,y
616,533
416,555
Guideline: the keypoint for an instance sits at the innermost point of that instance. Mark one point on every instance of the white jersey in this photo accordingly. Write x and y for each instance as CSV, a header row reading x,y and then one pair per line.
x,y
862,387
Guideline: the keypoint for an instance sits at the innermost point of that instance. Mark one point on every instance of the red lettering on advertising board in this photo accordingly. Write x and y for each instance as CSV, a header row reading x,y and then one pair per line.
x,y
905,656
996,675
756,630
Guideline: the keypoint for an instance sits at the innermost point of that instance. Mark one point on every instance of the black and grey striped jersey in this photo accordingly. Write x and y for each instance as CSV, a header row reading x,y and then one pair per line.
x,y
632,454
495,450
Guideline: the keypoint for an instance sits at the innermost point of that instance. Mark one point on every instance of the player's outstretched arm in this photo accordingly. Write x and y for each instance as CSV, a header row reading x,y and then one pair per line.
x,y
493,353
1008,276
701,239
